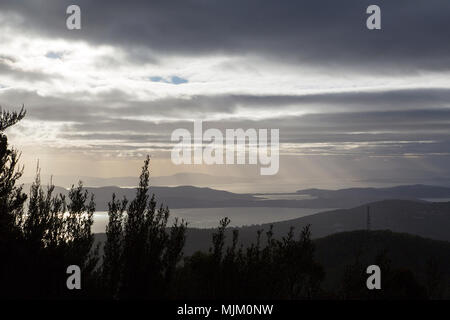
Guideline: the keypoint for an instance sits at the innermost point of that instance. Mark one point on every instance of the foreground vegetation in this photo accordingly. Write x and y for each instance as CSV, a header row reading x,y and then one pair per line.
x,y
142,256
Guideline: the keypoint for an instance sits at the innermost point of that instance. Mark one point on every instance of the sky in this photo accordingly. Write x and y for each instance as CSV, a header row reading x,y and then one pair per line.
x,y
353,106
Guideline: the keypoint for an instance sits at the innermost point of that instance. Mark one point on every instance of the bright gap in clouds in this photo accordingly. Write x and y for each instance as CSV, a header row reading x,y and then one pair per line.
x,y
75,66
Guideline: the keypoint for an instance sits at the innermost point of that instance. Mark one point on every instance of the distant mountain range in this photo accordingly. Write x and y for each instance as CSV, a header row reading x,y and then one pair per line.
x,y
174,197
178,179
417,191
351,197
196,197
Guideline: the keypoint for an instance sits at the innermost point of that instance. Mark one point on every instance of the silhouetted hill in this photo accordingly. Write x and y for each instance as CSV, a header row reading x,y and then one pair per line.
x,y
430,220
337,251
195,197
178,179
343,197
174,197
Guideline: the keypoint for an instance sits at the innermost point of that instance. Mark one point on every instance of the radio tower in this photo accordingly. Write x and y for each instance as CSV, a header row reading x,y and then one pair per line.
x,y
368,218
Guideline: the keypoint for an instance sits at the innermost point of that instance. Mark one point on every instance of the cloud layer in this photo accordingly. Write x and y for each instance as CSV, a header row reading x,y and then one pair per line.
x,y
139,69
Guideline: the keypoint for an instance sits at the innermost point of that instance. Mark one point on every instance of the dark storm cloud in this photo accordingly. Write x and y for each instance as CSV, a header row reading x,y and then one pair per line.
x,y
419,97
116,137
200,106
116,104
47,108
327,33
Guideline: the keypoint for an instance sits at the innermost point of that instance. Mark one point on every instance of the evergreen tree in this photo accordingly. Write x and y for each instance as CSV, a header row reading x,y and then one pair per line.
x,y
12,199
144,251
112,251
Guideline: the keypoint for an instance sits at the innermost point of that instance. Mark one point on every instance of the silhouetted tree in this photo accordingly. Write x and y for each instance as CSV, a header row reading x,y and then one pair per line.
x,y
281,270
435,279
112,251
141,254
12,199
